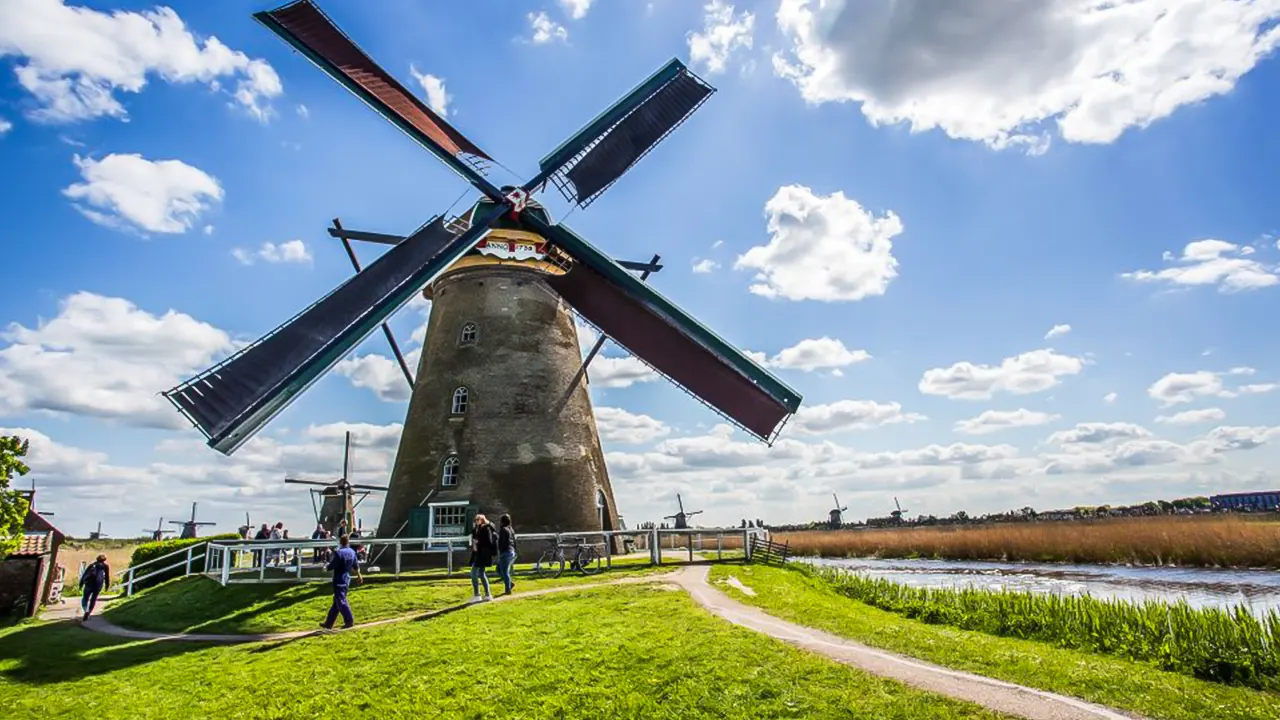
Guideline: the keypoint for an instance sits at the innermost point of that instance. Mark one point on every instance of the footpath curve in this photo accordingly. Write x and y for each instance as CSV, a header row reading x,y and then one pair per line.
x,y
1017,700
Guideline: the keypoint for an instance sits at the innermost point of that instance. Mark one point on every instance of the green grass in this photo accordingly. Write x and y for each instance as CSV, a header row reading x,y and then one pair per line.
x,y
622,652
1116,682
1230,646
200,605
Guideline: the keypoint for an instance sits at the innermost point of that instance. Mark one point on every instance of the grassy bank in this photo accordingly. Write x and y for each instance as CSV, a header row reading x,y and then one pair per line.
x,y
199,605
623,652
1131,685
1213,541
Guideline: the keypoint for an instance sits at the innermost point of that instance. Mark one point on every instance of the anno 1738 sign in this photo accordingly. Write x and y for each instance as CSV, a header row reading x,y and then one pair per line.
x,y
508,249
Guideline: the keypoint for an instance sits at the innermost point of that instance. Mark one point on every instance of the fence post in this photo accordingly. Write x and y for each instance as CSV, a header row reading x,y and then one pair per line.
x,y
690,539
188,569
128,584
746,544
449,554
608,550
398,547
719,546
226,566
656,552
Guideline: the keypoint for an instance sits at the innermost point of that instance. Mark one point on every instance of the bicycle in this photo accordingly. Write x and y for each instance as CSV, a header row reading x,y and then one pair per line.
x,y
586,559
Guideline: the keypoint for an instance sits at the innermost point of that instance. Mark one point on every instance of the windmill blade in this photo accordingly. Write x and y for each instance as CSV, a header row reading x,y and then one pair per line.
x,y
585,165
308,482
304,26
235,399
665,337
383,488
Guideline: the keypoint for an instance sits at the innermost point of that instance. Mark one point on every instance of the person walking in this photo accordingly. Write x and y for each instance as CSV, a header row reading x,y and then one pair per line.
x,y
484,545
93,580
506,552
317,534
343,563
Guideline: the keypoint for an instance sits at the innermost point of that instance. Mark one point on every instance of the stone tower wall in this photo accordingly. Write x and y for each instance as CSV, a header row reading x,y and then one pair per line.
x,y
517,454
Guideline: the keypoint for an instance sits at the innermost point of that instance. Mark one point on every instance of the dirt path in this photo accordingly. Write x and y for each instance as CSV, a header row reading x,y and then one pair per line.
x,y
99,624
997,695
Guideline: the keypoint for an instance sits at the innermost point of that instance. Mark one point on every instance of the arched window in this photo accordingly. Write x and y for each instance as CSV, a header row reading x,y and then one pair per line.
x,y
602,514
449,476
468,334
459,405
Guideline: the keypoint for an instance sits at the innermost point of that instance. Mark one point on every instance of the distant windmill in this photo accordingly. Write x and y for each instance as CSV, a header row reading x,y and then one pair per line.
x,y
189,526
682,517
897,514
836,516
97,534
339,498
159,532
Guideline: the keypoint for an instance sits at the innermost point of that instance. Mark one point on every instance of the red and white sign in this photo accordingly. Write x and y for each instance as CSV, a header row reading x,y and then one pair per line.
x,y
518,199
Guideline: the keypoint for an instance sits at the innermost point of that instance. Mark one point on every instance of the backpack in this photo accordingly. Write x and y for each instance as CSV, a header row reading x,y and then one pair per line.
x,y
489,539
94,574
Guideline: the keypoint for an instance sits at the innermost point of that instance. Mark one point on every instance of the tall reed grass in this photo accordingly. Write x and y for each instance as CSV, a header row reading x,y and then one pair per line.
x,y
1228,646
1215,541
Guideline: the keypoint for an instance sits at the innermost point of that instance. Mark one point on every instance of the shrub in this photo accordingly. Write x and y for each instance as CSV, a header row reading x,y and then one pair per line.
x,y
152,550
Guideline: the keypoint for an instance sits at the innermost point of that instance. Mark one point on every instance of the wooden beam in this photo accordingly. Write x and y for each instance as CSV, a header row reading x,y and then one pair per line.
x,y
338,232
373,237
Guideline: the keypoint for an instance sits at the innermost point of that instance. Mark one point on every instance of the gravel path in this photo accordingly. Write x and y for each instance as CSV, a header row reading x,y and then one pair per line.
x,y
997,695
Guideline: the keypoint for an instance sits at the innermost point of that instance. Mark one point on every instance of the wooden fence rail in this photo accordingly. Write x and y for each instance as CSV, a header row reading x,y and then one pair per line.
x,y
769,552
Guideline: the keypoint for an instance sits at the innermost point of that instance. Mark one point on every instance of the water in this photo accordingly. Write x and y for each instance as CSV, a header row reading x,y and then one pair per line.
x,y
1257,589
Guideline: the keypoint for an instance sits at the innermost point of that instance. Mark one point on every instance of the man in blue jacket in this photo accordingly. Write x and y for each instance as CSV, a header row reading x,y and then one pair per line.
x,y
343,563
93,580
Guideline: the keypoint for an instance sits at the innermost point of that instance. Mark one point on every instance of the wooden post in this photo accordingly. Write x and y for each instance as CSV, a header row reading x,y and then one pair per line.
x,y
128,584
189,549
399,546
719,546
690,539
226,568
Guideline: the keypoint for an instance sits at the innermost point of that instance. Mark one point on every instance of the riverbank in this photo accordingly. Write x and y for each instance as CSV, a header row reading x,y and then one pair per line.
x,y
1130,685
1195,541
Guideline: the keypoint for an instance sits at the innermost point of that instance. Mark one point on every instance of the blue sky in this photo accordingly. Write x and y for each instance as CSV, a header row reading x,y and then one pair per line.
x,y
911,230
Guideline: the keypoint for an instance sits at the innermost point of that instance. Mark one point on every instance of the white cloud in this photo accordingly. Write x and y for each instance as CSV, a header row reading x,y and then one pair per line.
x,y
165,196
1176,388
1057,331
433,88
815,354
1257,388
704,266
1110,398
5,126
850,415
545,29
208,230
996,420
1030,372
302,111
105,357
75,60
822,247
1000,75
716,244
618,425
1210,262
1192,417
380,374
1096,432
291,251
723,32
576,9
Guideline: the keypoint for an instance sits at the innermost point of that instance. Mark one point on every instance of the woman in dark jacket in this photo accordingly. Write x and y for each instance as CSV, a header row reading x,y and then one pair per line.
x,y
483,548
506,551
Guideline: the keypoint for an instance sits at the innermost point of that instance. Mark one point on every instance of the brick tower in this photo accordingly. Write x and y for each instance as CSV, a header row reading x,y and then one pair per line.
x,y
489,427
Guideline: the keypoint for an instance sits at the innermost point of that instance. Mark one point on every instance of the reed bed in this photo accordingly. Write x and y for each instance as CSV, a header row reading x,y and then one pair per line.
x,y
1228,646
1215,541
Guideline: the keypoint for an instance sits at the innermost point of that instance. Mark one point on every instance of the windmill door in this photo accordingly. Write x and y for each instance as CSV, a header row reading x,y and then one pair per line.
x,y
419,522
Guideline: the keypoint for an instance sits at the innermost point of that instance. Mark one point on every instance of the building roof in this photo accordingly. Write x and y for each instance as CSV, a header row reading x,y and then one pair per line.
x,y
34,544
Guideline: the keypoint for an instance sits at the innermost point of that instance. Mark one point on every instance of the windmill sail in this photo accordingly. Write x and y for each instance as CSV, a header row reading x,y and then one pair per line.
x,y
303,25
665,337
233,400
586,164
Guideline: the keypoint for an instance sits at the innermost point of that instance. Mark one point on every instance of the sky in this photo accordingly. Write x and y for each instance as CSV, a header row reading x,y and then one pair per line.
x,y
1011,254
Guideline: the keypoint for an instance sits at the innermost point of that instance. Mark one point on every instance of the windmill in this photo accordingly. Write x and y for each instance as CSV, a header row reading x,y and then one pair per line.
x,y
338,499
501,345
836,515
897,514
159,532
681,518
97,534
189,526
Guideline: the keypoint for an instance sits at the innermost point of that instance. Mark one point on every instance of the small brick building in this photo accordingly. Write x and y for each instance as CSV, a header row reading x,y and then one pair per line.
x,y
27,575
